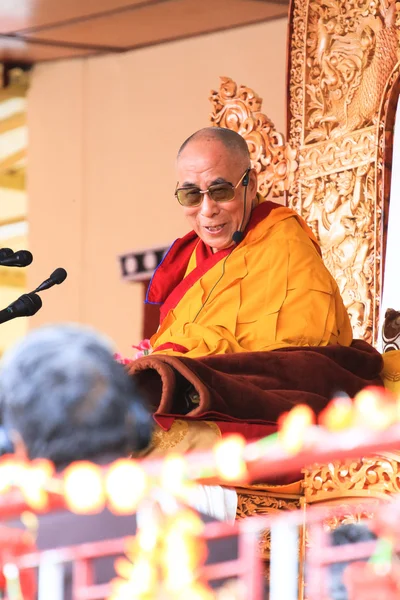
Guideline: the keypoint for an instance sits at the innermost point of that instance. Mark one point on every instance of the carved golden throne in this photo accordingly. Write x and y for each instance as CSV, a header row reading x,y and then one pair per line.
x,y
335,170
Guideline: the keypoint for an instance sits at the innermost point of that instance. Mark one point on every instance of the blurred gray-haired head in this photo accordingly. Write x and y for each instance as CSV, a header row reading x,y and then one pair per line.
x,y
68,399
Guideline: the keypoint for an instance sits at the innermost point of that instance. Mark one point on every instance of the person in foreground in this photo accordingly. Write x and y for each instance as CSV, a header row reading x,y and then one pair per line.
x,y
64,398
252,322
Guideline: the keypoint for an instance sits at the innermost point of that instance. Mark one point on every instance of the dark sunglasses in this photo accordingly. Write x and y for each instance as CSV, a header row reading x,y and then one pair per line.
x,y
219,192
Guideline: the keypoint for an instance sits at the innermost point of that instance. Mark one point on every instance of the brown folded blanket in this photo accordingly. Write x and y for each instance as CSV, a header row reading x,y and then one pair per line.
x,y
255,387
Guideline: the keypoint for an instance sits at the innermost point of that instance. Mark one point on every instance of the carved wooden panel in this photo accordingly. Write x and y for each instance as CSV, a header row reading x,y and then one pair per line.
x,y
239,108
254,502
342,59
377,477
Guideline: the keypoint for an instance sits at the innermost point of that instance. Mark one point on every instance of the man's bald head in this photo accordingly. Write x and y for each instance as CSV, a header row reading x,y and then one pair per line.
x,y
231,140
217,157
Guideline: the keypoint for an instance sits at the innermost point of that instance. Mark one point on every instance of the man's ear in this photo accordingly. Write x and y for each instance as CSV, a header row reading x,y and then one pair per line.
x,y
20,449
253,184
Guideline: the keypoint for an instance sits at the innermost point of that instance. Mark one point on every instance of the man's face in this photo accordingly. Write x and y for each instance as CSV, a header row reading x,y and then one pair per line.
x,y
207,162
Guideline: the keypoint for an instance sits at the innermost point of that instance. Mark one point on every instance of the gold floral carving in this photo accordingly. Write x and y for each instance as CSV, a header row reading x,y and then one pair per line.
x,y
298,20
263,503
377,478
239,109
337,155
338,210
351,51
342,57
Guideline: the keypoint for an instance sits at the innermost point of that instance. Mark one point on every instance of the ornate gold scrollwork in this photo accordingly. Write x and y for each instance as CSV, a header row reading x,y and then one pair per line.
x,y
239,109
377,477
342,71
351,51
342,57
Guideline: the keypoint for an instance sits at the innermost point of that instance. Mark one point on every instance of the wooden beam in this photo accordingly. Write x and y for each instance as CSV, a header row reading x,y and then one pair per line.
x,y
12,220
8,162
12,278
13,179
7,93
12,122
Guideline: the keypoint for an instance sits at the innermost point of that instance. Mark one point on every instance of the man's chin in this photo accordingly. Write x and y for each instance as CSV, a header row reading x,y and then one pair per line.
x,y
223,245
217,243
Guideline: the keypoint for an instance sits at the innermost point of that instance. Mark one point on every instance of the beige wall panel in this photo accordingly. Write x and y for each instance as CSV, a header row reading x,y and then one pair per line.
x,y
55,176
111,183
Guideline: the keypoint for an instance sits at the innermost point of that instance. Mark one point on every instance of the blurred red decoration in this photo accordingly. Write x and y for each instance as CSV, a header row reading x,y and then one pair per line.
x,y
363,582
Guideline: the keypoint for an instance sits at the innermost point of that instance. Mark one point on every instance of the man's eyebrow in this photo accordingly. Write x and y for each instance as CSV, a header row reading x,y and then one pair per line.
x,y
214,182
220,180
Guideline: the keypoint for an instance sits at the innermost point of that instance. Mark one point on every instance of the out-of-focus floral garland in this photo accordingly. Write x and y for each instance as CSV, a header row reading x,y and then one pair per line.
x,y
123,485
163,560
88,488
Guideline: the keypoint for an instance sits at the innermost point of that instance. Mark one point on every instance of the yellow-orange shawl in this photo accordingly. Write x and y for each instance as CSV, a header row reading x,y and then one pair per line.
x,y
270,291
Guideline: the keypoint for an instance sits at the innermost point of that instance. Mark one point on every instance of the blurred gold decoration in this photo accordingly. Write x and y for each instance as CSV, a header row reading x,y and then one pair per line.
x,y
15,278
13,82
239,109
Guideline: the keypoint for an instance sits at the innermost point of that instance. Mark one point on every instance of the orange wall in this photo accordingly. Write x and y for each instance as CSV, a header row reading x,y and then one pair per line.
x,y
103,134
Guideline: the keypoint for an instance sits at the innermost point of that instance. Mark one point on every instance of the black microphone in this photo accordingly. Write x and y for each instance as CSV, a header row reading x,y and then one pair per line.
x,y
5,253
26,306
237,236
57,277
22,258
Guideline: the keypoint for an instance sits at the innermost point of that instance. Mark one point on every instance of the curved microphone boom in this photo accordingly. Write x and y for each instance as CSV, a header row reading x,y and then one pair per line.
x,y
22,258
25,306
238,235
57,277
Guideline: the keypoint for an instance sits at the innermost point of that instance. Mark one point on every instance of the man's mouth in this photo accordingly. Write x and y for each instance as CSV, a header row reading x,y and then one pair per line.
x,y
215,228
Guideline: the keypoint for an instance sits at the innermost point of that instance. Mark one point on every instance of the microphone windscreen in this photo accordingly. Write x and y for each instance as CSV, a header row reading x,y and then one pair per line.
x,y
31,303
24,257
237,237
59,275
6,253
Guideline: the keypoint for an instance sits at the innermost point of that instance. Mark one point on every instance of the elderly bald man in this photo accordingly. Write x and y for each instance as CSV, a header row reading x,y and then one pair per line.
x,y
249,276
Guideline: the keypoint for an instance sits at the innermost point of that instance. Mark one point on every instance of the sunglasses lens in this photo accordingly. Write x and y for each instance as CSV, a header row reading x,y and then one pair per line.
x,y
221,192
189,197
192,196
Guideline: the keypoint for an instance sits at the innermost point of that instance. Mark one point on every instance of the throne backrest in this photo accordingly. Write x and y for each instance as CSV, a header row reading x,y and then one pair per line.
x,y
335,167
239,108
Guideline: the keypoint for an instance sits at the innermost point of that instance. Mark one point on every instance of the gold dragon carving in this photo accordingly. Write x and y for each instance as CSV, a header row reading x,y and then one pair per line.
x,y
342,56
239,109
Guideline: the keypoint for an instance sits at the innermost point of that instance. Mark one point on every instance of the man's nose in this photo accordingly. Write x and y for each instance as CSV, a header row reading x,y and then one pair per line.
x,y
209,207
